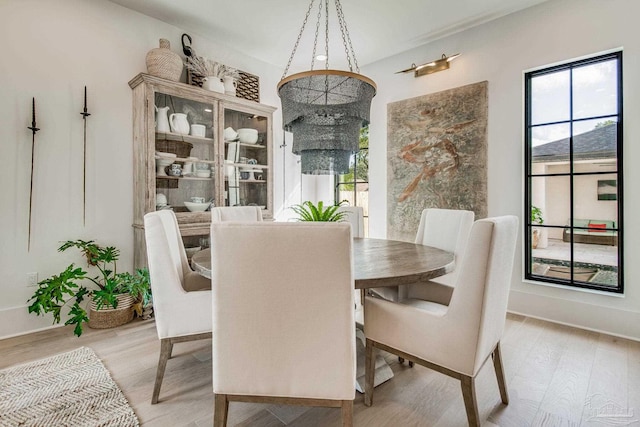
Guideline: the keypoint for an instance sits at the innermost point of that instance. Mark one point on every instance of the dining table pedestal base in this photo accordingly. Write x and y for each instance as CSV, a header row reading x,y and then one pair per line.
x,y
382,372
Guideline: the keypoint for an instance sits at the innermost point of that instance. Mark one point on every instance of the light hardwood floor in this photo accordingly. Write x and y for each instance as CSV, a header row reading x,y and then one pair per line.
x,y
556,375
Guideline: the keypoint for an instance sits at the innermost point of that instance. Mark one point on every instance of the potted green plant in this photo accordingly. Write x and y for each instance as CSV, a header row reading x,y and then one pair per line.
x,y
307,211
536,218
112,296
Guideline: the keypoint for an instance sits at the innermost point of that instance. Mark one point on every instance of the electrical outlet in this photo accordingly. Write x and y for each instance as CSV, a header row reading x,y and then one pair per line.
x,y
32,279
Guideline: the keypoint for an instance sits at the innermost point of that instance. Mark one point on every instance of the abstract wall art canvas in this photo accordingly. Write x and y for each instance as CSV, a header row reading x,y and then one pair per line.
x,y
436,156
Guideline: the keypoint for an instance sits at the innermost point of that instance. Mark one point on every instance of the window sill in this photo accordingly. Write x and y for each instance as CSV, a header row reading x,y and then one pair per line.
x,y
574,288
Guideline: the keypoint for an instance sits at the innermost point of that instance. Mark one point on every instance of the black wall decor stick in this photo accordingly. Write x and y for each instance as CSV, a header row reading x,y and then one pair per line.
x,y
34,129
84,114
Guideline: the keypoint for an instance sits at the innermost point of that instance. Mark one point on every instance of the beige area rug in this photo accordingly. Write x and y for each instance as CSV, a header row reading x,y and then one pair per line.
x,y
70,389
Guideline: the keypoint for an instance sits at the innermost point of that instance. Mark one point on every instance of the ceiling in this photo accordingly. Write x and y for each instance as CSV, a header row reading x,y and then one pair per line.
x,y
268,29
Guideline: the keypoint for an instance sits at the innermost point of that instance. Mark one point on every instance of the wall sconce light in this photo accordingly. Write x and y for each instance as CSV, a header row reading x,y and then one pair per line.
x,y
431,67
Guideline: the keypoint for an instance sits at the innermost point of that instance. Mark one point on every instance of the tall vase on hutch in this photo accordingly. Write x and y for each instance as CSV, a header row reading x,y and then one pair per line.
x,y
162,62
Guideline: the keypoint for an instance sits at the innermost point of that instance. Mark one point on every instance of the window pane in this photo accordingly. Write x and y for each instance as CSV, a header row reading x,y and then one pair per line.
x,y
550,194
550,259
605,275
595,263
594,198
595,90
550,97
550,144
595,145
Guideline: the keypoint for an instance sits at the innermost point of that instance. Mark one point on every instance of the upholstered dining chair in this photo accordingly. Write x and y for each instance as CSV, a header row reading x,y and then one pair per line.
x,y
446,229
458,338
355,217
181,297
283,315
236,213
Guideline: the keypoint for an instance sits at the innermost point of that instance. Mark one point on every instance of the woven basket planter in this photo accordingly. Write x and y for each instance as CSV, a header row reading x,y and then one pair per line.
x,y
163,63
109,317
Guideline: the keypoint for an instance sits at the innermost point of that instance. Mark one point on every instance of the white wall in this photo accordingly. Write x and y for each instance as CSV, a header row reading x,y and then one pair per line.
x,y
51,50
500,52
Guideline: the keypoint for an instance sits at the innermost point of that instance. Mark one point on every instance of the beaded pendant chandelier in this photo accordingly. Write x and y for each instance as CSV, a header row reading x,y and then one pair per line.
x,y
325,109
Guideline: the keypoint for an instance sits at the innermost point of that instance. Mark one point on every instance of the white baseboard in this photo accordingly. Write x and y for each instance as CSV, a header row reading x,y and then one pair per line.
x,y
596,318
17,321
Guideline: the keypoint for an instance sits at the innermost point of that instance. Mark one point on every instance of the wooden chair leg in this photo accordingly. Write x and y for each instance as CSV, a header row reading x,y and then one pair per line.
x,y
499,368
166,347
347,413
220,410
470,401
369,370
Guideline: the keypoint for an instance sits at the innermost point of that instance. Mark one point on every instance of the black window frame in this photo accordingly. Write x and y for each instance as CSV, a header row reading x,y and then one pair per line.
x,y
354,182
528,225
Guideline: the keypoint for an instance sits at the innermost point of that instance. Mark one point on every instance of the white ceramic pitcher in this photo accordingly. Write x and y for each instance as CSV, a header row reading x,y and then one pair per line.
x,y
162,119
230,85
213,84
179,123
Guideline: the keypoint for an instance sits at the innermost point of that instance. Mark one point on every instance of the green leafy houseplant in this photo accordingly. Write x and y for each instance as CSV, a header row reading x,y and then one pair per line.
x,y
536,215
67,288
536,218
307,211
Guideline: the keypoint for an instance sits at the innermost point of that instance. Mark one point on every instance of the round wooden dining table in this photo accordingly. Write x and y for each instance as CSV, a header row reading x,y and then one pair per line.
x,y
377,262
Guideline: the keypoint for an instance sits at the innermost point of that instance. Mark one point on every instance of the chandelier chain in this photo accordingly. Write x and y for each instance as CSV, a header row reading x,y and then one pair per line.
x,y
315,40
326,52
295,47
345,31
326,35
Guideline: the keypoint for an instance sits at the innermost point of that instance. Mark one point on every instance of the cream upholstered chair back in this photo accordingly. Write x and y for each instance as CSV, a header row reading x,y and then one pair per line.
x,y
173,245
446,229
283,321
477,311
456,338
482,289
179,315
236,213
455,335
176,311
355,217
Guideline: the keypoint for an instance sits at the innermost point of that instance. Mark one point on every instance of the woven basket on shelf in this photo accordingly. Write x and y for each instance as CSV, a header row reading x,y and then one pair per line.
x,y
248,85
109,317
180,148
162,62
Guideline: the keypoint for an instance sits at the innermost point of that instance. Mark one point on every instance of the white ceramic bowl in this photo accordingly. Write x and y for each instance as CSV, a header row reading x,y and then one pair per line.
x,y
248,135
196,207
203,174
230,134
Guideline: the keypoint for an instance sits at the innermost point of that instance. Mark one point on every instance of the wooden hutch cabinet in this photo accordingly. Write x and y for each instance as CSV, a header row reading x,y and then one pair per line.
x,y
224,171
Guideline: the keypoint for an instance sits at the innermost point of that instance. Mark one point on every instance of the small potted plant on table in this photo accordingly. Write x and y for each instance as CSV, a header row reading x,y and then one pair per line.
x,y
307,211
113,296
